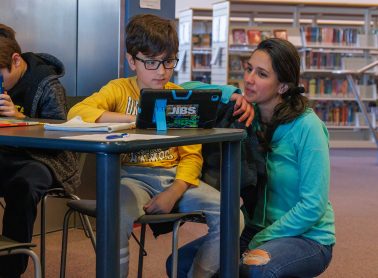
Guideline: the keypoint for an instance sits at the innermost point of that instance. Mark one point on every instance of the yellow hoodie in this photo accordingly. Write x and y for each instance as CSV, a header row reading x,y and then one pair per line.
x,y
122,95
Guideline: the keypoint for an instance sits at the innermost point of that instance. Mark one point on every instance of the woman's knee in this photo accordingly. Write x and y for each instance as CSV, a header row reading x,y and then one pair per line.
x,y
256,263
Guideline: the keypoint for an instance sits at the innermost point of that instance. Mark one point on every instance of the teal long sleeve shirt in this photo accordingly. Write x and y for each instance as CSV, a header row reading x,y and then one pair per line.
x,y
296,198
227,90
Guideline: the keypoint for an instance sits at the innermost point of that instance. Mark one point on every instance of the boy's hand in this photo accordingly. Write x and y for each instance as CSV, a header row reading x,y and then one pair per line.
x,y
165,201
7,107
243,107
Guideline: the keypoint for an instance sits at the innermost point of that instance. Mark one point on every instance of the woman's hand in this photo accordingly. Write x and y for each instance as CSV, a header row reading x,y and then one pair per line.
x,y
242,106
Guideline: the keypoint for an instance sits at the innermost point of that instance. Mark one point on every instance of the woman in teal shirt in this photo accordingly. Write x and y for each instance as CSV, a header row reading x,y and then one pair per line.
x,y
292,231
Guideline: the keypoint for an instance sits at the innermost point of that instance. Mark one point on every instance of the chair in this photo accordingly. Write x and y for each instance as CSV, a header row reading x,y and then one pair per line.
x,y
58,192
8,243
88,207
11,247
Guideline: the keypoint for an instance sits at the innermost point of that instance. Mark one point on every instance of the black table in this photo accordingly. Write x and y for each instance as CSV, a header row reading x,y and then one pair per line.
x,y
108,183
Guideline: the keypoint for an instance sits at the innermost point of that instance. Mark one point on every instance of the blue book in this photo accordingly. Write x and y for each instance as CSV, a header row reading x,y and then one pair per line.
x,y
1,84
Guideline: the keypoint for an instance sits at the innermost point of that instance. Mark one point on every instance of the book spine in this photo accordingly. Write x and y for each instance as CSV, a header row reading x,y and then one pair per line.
x,y
1,84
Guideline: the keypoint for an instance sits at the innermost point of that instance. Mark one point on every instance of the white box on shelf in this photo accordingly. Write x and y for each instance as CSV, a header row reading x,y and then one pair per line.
x,y
366,40
360,119
368,91
355,63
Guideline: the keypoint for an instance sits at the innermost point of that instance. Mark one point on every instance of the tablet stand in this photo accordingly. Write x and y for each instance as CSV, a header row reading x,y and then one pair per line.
x,y
159,114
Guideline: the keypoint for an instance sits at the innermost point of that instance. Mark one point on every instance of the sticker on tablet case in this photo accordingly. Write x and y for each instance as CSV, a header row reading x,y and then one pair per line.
x,y
182,115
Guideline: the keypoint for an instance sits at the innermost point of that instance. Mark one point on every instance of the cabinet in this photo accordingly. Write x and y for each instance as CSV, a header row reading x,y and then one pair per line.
x,y
331,39
195,45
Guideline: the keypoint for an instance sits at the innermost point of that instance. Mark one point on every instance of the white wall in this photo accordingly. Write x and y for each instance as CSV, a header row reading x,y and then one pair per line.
x,y
186,4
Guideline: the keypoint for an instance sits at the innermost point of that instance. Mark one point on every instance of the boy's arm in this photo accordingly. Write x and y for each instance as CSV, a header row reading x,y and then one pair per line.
x,y
115,117
94,110
166,200
187,175
53,103
91,108
107,105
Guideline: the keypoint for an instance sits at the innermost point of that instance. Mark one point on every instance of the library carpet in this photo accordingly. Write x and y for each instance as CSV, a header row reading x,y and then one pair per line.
x,y
354,191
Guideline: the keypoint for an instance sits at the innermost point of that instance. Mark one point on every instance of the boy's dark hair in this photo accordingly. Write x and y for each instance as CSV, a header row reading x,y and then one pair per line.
x,y
8,46
151,35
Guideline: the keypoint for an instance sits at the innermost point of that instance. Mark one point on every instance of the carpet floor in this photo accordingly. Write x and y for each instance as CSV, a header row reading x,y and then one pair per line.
x,y
354,196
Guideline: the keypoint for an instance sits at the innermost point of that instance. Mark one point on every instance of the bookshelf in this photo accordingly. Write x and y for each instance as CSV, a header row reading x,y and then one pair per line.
x,y
195,45
331,38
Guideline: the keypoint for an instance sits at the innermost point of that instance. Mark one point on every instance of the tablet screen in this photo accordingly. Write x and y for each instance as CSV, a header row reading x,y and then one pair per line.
x,y
180,108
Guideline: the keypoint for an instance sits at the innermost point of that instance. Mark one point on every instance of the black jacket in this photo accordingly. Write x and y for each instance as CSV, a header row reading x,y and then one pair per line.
x,y
44,97
253,169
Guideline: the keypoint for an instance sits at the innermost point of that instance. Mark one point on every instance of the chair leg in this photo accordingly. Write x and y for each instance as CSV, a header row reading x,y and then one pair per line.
x,y
141,250
176,227
33,256
43,235
64,243
43,225
88,229
144,252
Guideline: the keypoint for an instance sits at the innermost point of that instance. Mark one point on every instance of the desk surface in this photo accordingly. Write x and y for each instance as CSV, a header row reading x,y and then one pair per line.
x,y
37,137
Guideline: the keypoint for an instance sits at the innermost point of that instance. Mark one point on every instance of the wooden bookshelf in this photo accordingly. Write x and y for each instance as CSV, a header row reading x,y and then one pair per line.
x,y
195,45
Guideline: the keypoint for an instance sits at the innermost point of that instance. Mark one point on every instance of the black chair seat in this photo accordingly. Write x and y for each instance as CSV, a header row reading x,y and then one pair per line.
x,y
87,207
170,217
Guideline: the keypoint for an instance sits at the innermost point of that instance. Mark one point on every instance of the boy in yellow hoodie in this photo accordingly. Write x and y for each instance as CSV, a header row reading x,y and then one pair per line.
x,y
155,181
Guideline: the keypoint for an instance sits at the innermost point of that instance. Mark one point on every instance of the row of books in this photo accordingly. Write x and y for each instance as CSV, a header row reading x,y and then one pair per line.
x,y
312,34
323,60
346,114
255,36
313,61
337,87
326,87
330,35
237,62
201,40
325,35
201,61
336,113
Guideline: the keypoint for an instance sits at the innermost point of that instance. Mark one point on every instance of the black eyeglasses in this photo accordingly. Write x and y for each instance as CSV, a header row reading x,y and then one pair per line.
x,y
155,64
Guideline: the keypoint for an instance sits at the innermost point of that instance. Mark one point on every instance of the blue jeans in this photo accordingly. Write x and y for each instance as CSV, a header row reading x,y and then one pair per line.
x,y
140,184
285,257
186,254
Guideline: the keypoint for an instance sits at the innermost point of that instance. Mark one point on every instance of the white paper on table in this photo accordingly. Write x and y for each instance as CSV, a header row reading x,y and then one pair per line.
x,y
77,124
102,137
